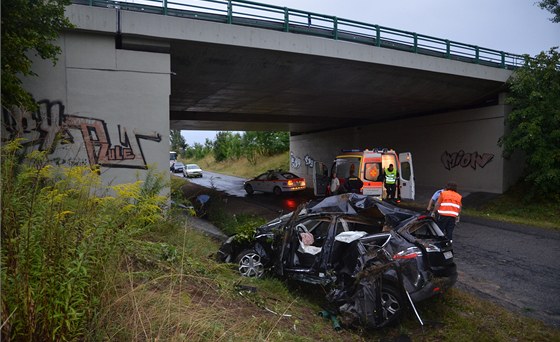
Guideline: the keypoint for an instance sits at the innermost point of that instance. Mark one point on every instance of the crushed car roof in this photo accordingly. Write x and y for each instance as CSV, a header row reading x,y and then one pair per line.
x,y
363,205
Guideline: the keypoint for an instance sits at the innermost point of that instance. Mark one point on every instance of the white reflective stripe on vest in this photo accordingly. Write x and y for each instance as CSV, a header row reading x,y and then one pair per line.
x,y
448,212
451,204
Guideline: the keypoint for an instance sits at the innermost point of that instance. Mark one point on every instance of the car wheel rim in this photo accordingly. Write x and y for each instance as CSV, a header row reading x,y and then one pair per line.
x,y
390,305
250,265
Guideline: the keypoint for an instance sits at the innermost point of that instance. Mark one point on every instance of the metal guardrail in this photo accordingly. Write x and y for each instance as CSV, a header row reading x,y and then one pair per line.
x,y
254,14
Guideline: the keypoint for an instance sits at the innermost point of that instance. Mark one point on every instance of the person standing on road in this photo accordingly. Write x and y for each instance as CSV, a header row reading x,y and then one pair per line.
x,y
335,184
390,181
353,183
448,207
432,205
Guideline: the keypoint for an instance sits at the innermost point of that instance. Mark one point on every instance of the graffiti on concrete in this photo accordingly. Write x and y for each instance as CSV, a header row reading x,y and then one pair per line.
x,y
295,162
309,161
38,129
42,128
462,159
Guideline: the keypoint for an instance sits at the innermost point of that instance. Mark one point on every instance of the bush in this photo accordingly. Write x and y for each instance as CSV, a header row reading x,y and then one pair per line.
x,y
62,240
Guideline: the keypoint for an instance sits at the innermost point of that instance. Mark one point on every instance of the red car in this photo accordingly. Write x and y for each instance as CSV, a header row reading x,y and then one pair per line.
x,y
276,182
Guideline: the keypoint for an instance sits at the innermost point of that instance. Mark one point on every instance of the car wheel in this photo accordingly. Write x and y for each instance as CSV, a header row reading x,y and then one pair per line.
x,y
393,304
249,189
250,264
277,191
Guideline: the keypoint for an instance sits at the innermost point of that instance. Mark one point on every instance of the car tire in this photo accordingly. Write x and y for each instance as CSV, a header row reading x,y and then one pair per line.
x,y
277,191
249,264
249,189
393,304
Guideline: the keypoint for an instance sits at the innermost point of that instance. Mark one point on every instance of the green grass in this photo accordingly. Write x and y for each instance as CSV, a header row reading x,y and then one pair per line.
x,y
515,207
195,298
242,168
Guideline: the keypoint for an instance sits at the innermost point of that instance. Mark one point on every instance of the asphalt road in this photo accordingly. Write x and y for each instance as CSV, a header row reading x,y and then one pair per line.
x,y
512,265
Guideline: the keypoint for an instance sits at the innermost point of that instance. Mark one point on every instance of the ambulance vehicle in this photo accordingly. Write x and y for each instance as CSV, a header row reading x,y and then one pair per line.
x,y
368,165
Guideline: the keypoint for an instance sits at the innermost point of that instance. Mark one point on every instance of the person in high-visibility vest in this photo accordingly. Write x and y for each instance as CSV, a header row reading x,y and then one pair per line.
x,y
432,205
391,176
449,207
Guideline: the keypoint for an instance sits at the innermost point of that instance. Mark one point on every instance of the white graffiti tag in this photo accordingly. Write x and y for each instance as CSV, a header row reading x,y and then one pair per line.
x,y
295,161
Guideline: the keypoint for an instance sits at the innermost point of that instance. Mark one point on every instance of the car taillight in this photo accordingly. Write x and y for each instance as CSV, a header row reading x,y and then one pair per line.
x,y
290,183
303,183
409,253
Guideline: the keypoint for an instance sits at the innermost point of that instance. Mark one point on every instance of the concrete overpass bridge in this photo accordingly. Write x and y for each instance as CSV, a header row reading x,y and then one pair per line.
x,y
131,71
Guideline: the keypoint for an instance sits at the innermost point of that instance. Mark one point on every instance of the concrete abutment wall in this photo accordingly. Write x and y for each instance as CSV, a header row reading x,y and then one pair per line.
x,y
460,146
111,106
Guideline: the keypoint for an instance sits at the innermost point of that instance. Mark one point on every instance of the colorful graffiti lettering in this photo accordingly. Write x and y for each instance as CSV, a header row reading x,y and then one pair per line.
x,y
41,128
460,158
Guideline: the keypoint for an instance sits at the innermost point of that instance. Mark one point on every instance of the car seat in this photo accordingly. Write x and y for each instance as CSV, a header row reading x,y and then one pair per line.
x,y
306,241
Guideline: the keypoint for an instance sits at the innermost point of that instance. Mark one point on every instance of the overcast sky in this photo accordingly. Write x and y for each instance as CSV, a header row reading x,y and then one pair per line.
x,y
515,26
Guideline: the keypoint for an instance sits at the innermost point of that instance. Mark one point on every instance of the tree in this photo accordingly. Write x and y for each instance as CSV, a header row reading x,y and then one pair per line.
x,y
177,141
28,27
227,146
553,7
534,122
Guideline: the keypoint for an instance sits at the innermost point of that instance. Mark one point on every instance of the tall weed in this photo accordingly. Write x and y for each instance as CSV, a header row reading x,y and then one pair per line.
x,y
63,237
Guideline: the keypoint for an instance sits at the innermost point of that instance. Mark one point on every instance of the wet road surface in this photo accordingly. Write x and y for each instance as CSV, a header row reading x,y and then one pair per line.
x,y
233,186
515,266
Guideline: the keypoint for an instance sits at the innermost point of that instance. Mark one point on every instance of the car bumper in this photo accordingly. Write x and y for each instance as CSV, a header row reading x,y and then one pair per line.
x,y
194,174
293,188
435,286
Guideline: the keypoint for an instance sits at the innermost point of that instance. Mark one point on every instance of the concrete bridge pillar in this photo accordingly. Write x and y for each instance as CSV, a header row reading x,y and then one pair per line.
x,y
111,106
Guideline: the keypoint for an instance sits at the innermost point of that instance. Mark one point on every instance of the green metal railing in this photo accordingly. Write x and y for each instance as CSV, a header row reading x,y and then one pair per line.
x,y
254,14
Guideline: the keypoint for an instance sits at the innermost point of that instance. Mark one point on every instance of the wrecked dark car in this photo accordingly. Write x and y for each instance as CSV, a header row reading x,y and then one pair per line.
x,y
374,257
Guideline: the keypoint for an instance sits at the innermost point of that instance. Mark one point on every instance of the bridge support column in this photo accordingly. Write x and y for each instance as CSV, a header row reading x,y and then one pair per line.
x,y
111,106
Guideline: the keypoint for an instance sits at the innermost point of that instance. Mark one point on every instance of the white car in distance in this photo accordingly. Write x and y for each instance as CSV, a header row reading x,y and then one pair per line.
x,y
192,170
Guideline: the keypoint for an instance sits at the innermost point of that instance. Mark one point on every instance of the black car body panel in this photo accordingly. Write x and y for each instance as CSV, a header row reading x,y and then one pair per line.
x,y
362,248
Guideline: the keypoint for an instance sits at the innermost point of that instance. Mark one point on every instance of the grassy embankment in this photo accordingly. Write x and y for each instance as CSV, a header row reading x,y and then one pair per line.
x,y
184,295
242,168
80,267
455,316
512,206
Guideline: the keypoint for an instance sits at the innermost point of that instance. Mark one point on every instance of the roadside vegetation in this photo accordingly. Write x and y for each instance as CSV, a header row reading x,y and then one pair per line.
x,y
230,147
81,261
514,206
241,167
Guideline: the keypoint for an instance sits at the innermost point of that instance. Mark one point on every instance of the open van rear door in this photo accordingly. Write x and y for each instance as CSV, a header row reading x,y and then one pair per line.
x,y
320,179
407,186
